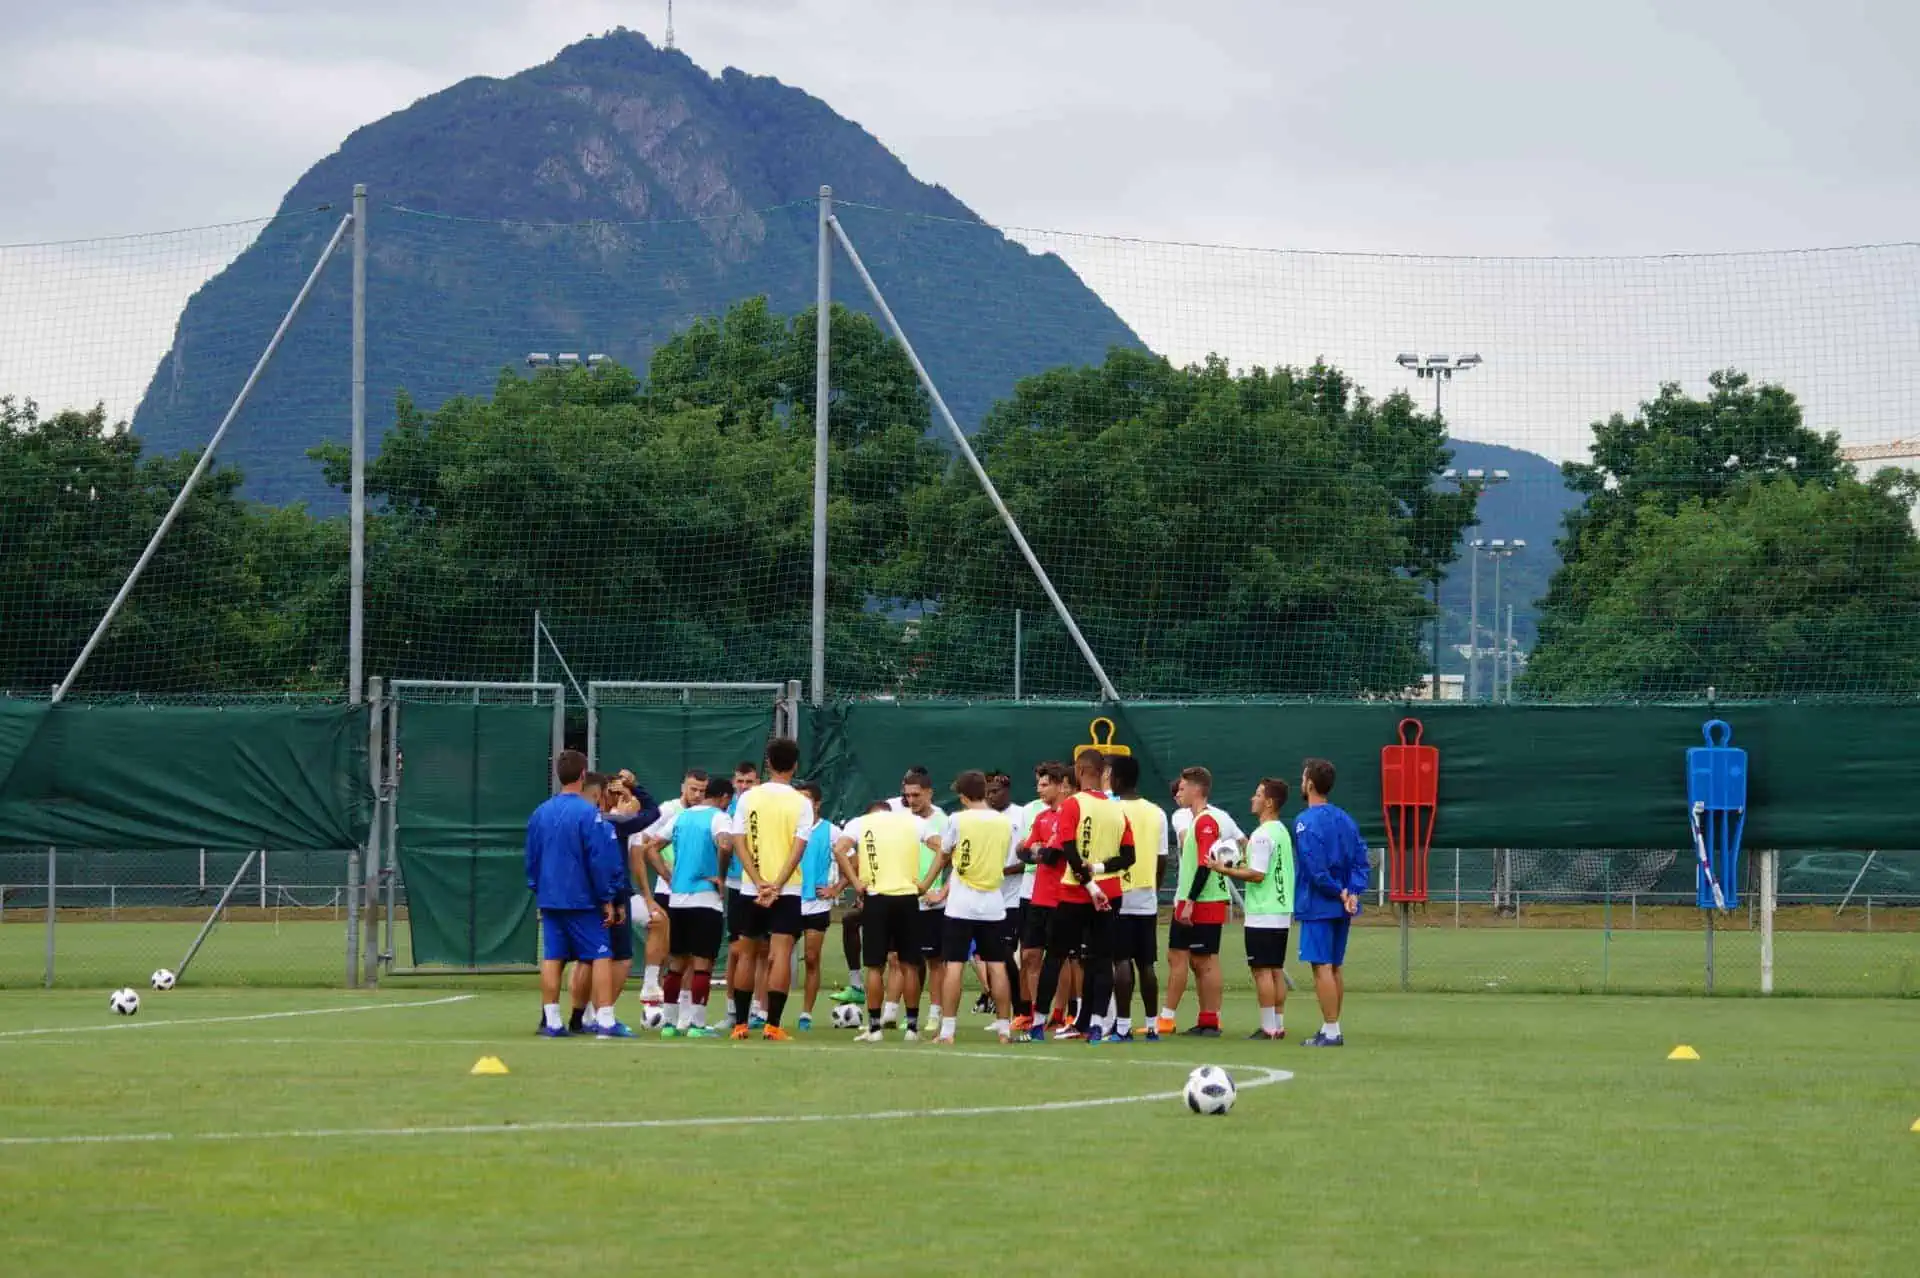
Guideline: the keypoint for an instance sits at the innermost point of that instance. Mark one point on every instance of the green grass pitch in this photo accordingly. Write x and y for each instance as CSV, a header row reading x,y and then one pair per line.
x,y
324,1132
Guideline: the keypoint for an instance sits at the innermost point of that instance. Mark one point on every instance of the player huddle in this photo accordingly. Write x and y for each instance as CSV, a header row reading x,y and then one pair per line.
x,y
1055,903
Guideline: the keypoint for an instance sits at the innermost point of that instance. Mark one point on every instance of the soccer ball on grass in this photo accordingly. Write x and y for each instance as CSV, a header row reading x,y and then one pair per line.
x,y
1209,1090
125,1002
161,980
848,1016
654,1016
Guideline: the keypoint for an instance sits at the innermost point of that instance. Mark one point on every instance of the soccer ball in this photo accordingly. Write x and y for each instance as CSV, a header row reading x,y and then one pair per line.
x,y
1209,1090
848,1016
1225,852
125,1002
654,1016
161,980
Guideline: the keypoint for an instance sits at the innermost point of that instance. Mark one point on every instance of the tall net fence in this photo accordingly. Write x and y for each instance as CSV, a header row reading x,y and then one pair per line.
x,y
1247,473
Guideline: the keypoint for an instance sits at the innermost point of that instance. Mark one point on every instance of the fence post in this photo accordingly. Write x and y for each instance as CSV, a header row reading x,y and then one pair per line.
x,y
52,872
353,918
376,775
1767,906
263,878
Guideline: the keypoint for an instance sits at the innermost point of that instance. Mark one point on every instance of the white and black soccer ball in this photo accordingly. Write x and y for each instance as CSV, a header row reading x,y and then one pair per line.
x,y
125,1002
848,1016
654,1016
1210,1091
1226,852
161,980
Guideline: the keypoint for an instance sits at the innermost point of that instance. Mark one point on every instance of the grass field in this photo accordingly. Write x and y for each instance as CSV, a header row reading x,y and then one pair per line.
x,y
292,1132
1546,952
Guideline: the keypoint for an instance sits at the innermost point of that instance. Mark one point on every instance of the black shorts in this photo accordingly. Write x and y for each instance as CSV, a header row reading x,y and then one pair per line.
x,y
1136,939
620,941
739,913
695,931
1033,926
959,936
1194,938
782,918
1077,930
1266,947
891,926
818,921
1009,937
660,899
933,924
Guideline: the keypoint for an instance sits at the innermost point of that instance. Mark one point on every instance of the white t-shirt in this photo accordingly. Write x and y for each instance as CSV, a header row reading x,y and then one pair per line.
x,y
967,902
1260,857
1146,846
738,829
813,904
1032,809
1010,885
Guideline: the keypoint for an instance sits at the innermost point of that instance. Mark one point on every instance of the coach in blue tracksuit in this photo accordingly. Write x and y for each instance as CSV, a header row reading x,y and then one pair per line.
x,y
1330,876
573,872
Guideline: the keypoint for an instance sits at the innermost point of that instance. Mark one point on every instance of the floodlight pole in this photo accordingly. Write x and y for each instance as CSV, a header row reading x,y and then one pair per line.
x,y
822,393
1107,690
200,467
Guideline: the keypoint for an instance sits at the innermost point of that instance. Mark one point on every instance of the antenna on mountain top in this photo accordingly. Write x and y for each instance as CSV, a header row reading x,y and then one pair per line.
x,y
669,24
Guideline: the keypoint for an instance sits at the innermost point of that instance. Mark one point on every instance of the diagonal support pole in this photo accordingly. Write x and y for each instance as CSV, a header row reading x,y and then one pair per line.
x,y
1107,691
200,467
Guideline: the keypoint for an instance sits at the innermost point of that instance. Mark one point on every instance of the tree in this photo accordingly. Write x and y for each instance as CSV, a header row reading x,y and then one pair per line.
x,y
1781,587
1211,533
81,501
664,530
1635,611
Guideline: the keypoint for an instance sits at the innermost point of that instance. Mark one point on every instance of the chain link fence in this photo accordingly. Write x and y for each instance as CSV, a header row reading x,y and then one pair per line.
x,y
118,915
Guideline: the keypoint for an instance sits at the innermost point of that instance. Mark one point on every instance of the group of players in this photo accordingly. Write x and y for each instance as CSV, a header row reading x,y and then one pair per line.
x,y
1054,903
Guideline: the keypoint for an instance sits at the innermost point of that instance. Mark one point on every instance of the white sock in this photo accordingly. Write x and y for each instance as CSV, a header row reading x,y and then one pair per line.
x,y
1166,1013
947,1025
754,1009
857,979
590,1014
700,1015
605,1015
685,1011
933,1011
652,977
1124,1025
1279,1021
999,1027
1113,1009
1269,1020
1331,1029
890,1012
552,1012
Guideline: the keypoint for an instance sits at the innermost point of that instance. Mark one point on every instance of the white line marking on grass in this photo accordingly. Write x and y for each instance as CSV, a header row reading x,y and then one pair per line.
x,y
228,1020
1267,1076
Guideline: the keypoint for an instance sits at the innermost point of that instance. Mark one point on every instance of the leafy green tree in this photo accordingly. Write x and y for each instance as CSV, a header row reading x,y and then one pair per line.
x,y
81,501
1780,587
1259,533
664,530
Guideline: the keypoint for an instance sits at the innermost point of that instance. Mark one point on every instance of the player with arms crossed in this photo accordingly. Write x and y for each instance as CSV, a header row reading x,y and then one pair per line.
x,y
1268,900
1200,904
879,853
975,846
1095,844
573,872
1330,860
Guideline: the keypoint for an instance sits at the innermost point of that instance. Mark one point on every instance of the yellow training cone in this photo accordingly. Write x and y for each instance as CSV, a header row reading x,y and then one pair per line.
x,y
1680,1053
488,1065
1916,1126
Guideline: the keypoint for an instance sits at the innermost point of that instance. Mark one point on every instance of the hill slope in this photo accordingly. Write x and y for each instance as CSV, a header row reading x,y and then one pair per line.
x,y
698,191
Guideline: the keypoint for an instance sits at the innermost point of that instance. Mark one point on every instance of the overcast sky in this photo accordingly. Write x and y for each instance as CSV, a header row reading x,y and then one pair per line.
x,y
1518,128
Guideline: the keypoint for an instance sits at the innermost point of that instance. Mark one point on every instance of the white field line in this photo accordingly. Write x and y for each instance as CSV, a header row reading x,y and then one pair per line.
x,y
229,1020
1265,1076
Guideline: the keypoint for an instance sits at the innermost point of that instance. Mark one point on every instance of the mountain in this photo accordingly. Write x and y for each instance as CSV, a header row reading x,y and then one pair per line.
x,y
1528,506
595,204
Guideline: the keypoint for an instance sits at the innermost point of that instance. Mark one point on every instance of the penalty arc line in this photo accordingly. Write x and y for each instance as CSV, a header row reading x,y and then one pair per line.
x,y
229,1020
1267,1076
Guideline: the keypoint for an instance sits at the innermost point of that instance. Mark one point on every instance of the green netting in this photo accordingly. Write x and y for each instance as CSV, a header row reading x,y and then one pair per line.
x,y
659,743
184,777
470,776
